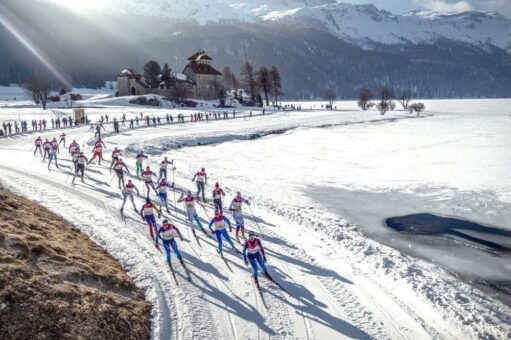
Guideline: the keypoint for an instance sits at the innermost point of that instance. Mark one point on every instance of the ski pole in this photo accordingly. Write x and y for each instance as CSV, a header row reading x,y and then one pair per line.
x,y
174,187
111,179
258,226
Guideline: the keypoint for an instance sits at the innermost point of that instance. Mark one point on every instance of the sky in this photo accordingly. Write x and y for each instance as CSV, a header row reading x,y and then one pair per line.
x,y
401,6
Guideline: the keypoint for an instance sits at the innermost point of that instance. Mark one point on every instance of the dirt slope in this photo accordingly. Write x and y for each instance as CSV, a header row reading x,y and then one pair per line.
x,y
56,283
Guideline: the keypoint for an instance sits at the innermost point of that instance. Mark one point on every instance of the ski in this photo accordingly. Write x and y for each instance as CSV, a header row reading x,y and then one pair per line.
x,y
225,261
173,274
282,288
260,291
187,272
196,238
123,217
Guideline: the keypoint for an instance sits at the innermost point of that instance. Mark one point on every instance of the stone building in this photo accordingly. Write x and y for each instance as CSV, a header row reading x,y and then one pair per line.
x,y
199,80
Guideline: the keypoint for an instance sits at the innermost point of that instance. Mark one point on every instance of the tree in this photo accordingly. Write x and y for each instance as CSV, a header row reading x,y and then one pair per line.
x,y
165,72
151,72
276,84
385,103
39,90
220,92
180,91
417,107
364,96
330,95
230,81
264,82
404,98
248,80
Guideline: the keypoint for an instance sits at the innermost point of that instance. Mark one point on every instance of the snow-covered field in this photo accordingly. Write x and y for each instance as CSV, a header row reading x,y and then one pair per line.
x,y
321,184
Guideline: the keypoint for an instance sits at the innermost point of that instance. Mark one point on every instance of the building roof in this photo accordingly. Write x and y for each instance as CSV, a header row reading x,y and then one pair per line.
x,y
200,55
129,72
203,69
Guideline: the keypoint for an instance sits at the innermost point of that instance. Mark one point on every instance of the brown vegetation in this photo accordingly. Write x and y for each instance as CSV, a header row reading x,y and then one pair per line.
x,y
56,283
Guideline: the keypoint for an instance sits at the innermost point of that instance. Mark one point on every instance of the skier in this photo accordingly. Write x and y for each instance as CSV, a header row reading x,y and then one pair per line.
x,y
147,175
253,252
191,213
38,144
115,155
74,146
81,161
53,155
163,167
98,151
166,232
74,158
46,148
119,167
217,197
162,193
219,222
128,192
139,163
147,214
236,208
202,180
63,139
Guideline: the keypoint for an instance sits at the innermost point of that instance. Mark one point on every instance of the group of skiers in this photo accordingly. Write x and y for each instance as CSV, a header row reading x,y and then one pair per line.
x,y
253,250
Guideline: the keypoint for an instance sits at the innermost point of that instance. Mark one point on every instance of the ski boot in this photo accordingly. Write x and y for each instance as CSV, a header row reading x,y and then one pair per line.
x,y
269,277
256,282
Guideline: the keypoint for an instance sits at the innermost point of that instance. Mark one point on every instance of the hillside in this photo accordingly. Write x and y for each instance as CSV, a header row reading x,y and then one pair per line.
x,y
56,283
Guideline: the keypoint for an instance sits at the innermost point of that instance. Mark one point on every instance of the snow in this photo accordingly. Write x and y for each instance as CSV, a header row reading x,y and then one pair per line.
x,y
312,178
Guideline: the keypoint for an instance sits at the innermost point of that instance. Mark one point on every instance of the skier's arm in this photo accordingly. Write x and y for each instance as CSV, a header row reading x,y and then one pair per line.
x,y
142,212
244,251
230,206
205,179
157,210
193,179
111,165
179,233
210,224
228,222
138,192
126,167
223,193
262,249
158,237
246,201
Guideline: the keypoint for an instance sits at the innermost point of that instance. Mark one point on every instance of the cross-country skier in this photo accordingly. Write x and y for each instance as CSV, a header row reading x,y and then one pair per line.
x,y
46,148
98,151
127,192
218,193
53,155
81,161
162,193
74,146
38,144
202,180
147,214
163,167
147,175
119,167
139,163
166,232
115,155
253,253
237,213
219,222
191,213
63,139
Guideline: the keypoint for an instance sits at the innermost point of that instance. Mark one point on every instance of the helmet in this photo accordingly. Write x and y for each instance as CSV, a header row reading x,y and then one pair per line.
x,y
238,194
189,193
129,180
251,234
165,221
203,169
141,151
147,168
217,185
165,157
115,148
148,200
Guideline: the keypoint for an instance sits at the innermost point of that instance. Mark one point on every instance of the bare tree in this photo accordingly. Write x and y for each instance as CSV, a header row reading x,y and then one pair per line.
x,y
230,80
364,96
220,92
385,103
249,81
417,107
264,82
330,95
180,91
39,90
276,84
404,98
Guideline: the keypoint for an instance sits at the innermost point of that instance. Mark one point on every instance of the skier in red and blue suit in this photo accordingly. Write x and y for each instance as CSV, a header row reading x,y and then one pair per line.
x,y
147,214
253,252
166,233
219,222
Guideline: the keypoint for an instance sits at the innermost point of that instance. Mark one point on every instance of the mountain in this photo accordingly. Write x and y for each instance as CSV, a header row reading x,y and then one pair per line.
x,y
316,44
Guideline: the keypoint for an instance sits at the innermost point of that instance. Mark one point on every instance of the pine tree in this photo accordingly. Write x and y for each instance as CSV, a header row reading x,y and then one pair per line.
x,y
151,72
248,80
165,72
264,82
276,83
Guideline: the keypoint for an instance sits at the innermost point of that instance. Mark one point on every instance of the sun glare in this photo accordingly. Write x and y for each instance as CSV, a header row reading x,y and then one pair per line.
x,y
78,4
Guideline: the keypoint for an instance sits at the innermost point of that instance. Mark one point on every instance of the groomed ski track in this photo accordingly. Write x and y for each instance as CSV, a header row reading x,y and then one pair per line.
x,y
329,300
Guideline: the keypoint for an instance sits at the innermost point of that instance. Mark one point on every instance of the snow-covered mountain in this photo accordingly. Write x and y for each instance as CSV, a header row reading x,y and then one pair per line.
x,y
362,25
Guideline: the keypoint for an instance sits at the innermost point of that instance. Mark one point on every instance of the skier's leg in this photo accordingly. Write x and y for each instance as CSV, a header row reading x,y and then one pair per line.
x,y
176,250
219,239
255,270
133,203
166,246
227,238
125,197
196,218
